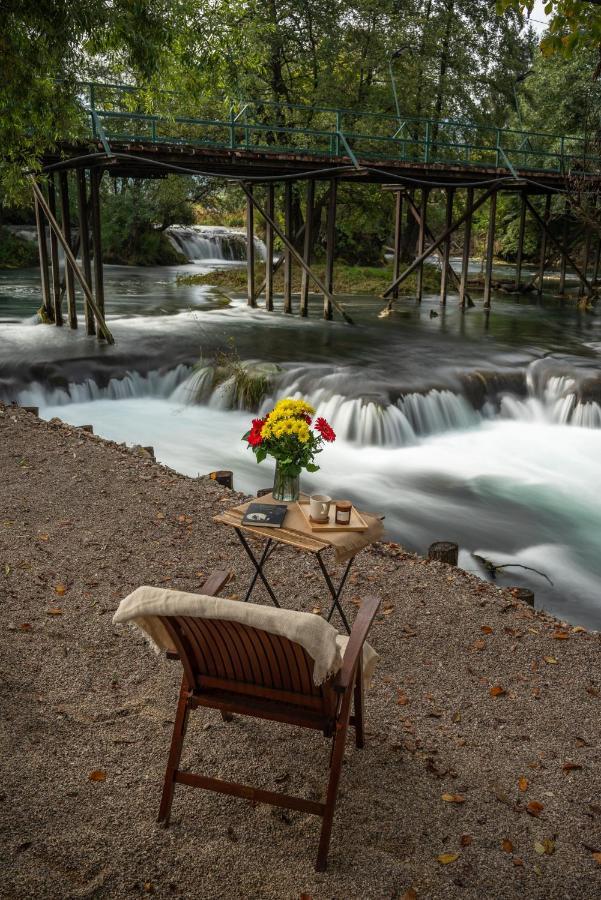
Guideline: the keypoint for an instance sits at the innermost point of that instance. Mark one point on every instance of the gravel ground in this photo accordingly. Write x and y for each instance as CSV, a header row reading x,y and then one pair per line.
x,y
477,698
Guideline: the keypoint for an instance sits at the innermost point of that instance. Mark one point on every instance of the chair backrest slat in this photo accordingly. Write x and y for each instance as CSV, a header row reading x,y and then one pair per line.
x,y
224,655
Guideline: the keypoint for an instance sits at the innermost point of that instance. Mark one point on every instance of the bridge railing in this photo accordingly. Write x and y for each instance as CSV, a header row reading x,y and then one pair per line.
x,y
270,127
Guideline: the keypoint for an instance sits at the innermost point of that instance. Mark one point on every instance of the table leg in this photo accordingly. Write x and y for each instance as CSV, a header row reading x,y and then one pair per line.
x,y
269,547
336,592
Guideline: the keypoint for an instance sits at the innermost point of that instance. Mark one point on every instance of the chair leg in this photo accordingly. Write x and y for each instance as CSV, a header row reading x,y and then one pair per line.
x,y
358,707
175,752
335,769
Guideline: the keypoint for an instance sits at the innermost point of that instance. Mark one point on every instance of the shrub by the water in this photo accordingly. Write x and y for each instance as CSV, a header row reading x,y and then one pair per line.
x,y
15,252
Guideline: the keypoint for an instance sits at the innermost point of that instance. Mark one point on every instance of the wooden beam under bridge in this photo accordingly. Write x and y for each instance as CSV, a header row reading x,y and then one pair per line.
x,y
559,246
297,256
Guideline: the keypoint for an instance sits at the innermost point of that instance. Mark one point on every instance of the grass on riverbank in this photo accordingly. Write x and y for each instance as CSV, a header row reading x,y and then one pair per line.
x,y
347,279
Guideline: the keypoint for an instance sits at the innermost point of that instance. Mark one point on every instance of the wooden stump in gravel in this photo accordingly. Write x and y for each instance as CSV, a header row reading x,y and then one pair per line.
x,y
32,409
523,594
224,477
88,428
444,551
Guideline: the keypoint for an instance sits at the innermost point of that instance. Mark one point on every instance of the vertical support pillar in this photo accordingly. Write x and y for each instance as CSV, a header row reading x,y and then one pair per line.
x,y
398,238
304,295
467,240
330,249
270,208
543,246
43,254
520,250
564,244
287,253
95,179
446,248
587,256
421,244
84,243
597,261
250,248
56,277
66,220
490,248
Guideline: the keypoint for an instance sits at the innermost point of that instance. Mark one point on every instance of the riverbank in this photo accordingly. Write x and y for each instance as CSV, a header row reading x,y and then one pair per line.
x,y
476,697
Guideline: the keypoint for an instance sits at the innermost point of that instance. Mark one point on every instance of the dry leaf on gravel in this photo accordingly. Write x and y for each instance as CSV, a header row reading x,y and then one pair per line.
x,y
97,775
465,840
486,629
497,691
480,644
445,858
453,798
535,808
43,537
60,589
550,660
570,767
410,894
597,857
506,845
545,847
560,635
402,698
523,784
54,611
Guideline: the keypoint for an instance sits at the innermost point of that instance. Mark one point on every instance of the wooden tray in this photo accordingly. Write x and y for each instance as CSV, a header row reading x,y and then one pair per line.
x,y
357,522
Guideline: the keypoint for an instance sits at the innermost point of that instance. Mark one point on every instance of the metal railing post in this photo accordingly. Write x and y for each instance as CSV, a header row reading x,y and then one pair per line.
x,y
427,147
338,130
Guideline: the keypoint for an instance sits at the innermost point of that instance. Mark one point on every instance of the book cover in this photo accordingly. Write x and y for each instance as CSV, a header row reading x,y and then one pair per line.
x,y
265,514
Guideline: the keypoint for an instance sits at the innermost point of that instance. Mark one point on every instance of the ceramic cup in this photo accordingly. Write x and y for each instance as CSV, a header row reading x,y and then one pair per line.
x,y
319,507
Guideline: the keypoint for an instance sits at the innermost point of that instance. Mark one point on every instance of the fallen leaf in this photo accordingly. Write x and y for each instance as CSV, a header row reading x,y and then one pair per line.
x,y
453,798
570,767
316,610
480,644
535,808
580,742
486,629
538,847
97,775
402,698
517,861
60,589
578,629
54,611
560,635
592,690
550,659
523,784
545,847
497,691
597,857
456,717
25,626
410,894
465,840
160,515
43,537
446,858
506,845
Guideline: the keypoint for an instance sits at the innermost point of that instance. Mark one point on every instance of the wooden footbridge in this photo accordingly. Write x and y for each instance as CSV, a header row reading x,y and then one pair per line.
x,y
261,145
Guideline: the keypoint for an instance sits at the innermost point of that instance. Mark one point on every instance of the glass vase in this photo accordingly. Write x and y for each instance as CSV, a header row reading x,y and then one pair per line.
x,y
285,485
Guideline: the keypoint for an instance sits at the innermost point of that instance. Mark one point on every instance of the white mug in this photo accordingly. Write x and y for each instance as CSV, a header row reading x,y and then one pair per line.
x,y
319,506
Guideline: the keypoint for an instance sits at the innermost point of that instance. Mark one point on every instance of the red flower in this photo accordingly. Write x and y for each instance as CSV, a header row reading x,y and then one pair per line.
x,y
325,430
306,418
254,437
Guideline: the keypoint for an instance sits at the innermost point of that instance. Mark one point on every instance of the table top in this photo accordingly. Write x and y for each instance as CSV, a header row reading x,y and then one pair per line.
x,y
346,544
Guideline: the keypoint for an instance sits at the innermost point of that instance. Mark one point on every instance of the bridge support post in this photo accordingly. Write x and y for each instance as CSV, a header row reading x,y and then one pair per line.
x,y
520,248
43,254
398,239
421,243
543,246
467,240
490,249
564,241
597,261
84,242
56,278
287,254
446,251
330,249
68,272
309,212
560,247
250,247
587,254
270,207
95,179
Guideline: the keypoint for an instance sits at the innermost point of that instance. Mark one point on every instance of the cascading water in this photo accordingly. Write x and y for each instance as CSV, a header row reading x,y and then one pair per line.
x,y
210,242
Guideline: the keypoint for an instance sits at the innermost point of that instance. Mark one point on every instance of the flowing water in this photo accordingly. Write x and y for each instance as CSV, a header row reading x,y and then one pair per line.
x,y
481,429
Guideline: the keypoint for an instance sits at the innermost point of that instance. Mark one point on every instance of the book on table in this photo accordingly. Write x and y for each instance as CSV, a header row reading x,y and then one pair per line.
x,y
268,515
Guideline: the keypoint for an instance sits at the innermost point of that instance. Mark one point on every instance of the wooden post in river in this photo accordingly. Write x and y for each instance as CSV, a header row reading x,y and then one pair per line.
x,y
398,239
330,249
270,207
444,551
520,247
56,278
421,243
43,254
309,212
250,248
446,248
66,223
490,249
564,243
543,246
467,239
288,231
95,179
84,243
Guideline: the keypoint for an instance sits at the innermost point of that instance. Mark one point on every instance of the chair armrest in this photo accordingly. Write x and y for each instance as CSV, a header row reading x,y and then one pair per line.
x,y
214,584
361,626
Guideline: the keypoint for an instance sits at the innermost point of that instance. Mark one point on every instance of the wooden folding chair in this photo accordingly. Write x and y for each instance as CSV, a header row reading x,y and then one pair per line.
x,y
239,669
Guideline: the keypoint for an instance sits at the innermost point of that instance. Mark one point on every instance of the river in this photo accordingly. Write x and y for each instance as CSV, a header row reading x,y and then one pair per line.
x,y
482,429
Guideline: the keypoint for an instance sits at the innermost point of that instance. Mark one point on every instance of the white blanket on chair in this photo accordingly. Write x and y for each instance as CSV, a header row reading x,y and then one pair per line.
x,y
322,642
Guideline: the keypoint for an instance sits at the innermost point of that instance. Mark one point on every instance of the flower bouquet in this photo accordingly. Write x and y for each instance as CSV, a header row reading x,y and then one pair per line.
x,y
289,434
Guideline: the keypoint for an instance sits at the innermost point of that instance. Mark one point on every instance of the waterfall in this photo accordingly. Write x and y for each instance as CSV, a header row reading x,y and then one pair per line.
x,y
203,242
